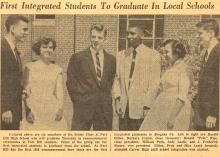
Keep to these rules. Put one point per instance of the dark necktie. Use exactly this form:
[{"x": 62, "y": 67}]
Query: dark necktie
[
  {"x": 18, "y": 59},
  {"x": 98, "y": 67},
  {"x": 205, "y": 56},
  {"x": 132, "y": 67}
]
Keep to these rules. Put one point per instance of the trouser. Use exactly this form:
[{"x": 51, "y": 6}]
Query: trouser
[
  {"x": 128, "y": 123},
  {"x": 199, "y": 124},
  {"x": 11, "y": 126},
  {"x": 199, "y": 128},
  {"x": 203, "y": 128},
  {"x": 99, "y": 121}
]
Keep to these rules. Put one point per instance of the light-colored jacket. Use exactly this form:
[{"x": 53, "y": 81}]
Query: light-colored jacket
[{"x": 143, "y": 84}]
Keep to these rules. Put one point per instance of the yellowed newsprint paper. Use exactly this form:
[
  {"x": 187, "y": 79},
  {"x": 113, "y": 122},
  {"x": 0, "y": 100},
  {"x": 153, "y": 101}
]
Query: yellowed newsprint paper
[{"x": 110, "y": 78}]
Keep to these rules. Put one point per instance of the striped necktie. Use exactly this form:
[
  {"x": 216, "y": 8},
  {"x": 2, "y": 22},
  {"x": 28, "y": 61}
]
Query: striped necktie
[
  {"x": 132, "y": 66},
  {"x": 98, "y": 68}
]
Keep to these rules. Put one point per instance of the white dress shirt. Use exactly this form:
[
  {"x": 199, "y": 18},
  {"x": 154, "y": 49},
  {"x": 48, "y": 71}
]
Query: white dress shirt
[{"x": 101, "y": 58}]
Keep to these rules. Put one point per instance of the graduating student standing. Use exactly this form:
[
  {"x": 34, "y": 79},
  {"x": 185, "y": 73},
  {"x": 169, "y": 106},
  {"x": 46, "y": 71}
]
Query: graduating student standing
[
  {"x": 90, "y": 77},
  {"x": 11, "y": 72},
  {"x": 43, "y": 87},
  {"x": 138, "y": 75},
  {"x": 208, "y": 86},
  {"x": 171, "y": 109}
]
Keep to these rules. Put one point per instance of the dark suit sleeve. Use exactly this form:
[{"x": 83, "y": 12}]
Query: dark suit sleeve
[
  {"x": 72, "y": 76},
  {"x": 6, "y": 84},
  {"x": 213, "y": 95}
]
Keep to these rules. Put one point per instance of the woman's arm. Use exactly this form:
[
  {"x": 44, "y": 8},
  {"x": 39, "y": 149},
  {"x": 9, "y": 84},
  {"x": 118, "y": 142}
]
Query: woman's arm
[
  {"x": 59, "y": 93},
  {"x": 26, "y": 88},
  {"x": 174, "y": 113}
]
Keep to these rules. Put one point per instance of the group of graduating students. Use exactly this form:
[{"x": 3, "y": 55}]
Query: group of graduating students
[{"x": 144, "y": 99}]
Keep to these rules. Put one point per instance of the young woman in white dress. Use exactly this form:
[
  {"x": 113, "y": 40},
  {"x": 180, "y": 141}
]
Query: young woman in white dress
[
  {"x": 43, "y": 93},
  {"x": 171, "y": 109}
]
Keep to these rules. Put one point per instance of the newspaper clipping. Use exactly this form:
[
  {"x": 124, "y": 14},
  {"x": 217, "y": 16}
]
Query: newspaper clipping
[{"x": 112, "y": 78}]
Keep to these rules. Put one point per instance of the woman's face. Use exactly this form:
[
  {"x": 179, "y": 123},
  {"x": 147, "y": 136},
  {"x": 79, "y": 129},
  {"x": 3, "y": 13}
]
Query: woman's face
[
  {"x": 169, "y": 53},
  {"x": 46, "y": 50}
]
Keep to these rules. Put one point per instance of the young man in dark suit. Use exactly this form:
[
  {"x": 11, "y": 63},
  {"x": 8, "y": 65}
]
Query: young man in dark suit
[
  {"x": 11, "y": 72},
  {"x": 90, "y": 76},
  {"x": 208, "y": 86}
]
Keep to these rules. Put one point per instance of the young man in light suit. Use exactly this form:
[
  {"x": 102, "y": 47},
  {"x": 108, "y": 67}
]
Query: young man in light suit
[{"x": 137, "y": 78}]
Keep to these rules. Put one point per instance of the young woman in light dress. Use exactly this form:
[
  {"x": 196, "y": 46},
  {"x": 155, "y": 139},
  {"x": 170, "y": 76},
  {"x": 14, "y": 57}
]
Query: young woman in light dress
[
  {"x": 171, "y": 109},
  {"x": 43, "y": 93}
]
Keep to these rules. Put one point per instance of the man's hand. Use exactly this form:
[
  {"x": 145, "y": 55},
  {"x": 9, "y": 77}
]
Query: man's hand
[
  {"x": 30, "y": 117},
  {"x": 7, "y": 117},
  {"x": 210, "y": 122},
  {"x": 118, "y": 109},
  {"x": 59, "y": 115}
]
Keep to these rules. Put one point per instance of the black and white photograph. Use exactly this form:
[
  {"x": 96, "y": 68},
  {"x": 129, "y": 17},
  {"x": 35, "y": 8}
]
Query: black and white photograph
[{"x": 144, "y": 72}]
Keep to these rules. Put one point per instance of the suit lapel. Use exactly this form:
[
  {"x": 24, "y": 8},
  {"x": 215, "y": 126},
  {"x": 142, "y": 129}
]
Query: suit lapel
[
  {"x": 140, "y": 54},
  {"x": 126, "y": 66},
  {"x": 212, "y": 54},
  {"x": 92, "y": 66},
  {"x": 10, "y": 53},
  {"x": 136, "y": 68},
  {"x": 106, "y": 67}
]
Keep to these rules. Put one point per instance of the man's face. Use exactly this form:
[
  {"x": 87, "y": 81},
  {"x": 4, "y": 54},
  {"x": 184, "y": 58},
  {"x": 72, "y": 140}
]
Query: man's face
[
  {"x": 20, "y": 31},
  {"x": 204, "y": 36},
  {"x": 97, "y": 39},
  {"x": 134, "y": 36}
]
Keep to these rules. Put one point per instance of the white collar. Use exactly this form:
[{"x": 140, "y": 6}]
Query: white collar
[
  {"x": 179, "y": 61},
  {"x": 212, "y": 44},
  {"x": 139, "y": 47},
  {"x": 11, "y": 44},
  {"x": 94, "y": 51}
]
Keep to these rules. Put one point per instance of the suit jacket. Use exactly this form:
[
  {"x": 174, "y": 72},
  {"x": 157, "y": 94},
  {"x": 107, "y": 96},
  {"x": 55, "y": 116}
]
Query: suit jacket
[
  {"x": 208, "y": 86},
  {"x": 144, "y": 82},
  {"x": 11, "y": 88},
  {"x": 84, "y": 89}
]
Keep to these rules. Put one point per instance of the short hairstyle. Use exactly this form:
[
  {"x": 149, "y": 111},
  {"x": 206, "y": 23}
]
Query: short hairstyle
[
  {"x": 14, "y": 19},
  {"x": 177, "y": 47},
  {"x": 44, "y": 40},
  {"x": 139, "y": 27},
  {"x": 209, "y": 24},
  {"x": 100, "y": 28}
]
